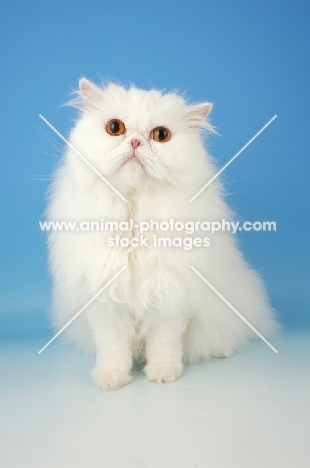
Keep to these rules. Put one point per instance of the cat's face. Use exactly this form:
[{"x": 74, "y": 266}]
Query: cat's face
[{"x": 134, "y": 136}]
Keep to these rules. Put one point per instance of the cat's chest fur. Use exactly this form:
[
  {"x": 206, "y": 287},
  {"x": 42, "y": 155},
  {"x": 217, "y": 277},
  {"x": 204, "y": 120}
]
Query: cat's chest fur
[{"x": 105, "y": 252}]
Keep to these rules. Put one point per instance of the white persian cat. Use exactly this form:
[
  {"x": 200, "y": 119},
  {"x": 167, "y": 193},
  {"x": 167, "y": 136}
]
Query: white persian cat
[{"x": 149, "y": 146}]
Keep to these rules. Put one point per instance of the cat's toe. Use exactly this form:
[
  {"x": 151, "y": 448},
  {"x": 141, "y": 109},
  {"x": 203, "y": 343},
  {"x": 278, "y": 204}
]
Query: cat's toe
[
  {"x": 163, "y": 371},
  {"x": 110, "y": 379}
]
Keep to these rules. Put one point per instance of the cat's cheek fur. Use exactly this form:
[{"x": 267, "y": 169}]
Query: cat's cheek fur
[{"x": 157, "y": 310}]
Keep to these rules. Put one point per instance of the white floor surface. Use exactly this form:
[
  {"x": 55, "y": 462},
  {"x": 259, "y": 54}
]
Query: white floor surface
[{"x": 249, "y": 411}]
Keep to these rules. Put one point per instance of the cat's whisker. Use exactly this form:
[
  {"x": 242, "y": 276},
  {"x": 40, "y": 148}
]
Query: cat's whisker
[
  {"x": 179, "y": 177},
  {"x": 183, "y": 189},
  {"x": 151, "y": 163},
  {"x": 158, "y": 188},
  {"x": 48, "y": 154},
  {"x": 194, "y": 166},
  {"x": 53, "y": 142},
  {"x": 167, "y": 187},
  {"x": 42, "y": 177},
  {"x": 170, "y": 180}
]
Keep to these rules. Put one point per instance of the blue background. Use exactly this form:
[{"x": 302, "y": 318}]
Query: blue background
[{"x": 251, "y": 59}]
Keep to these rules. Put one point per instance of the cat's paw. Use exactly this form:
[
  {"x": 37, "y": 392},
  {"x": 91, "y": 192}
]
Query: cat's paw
[
  {"x": 163, "y": 371},
  {"x": 110, "y": 379}
]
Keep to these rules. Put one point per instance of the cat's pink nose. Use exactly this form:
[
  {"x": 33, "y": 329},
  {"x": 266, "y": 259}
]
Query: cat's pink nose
[{"x": 135, "y": 143}]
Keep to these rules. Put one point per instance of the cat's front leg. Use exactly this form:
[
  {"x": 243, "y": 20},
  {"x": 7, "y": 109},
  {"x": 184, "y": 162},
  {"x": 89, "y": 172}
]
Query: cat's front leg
[
  {"x": 163, "y": 348},
  {"x": 113, "y": 338}
]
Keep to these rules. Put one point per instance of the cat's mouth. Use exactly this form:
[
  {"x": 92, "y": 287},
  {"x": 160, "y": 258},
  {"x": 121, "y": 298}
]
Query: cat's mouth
[
  {"x": 132, "y": 161},
  {"x": 133, "y": 158}
]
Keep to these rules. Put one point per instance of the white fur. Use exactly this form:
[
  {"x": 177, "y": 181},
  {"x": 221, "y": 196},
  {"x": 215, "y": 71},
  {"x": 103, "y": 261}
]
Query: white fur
[{"x": 157, "y": 309}]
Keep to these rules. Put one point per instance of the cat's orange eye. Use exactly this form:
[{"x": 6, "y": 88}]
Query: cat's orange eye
[
  {"x": 161, "y": 134},
  {"x": 115, "y": 127}
]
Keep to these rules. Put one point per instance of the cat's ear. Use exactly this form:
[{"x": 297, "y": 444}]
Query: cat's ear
[
  {"x": 198, "y": 113},
  {"x": 90, "y": 93},
  {"x": 203, "y": 109}
]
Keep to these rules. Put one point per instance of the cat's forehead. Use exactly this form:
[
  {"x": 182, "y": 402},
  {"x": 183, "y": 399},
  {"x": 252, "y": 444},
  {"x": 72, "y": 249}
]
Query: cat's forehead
[{"x": 141, "y": 105}]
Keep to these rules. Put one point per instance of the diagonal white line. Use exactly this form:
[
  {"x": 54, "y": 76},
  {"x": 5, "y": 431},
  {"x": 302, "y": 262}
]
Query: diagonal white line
[
  {"x": 83, "y": 158},
  {"x": 232, "y": 308},
  {"x": 233, "y": 158},
  {"x": 83, "y": 308}
]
